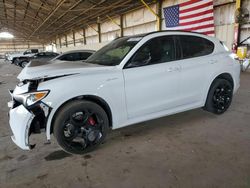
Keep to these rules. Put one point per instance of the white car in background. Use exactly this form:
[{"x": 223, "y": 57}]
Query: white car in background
[
  {"x": 28, "y": 53},
  {"x": 132, "y": 79},
  {"x": 74, "y": 55}
]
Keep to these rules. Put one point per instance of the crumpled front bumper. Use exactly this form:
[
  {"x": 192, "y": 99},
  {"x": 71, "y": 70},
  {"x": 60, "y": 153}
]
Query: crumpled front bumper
[{"x": 20, "y": 120}]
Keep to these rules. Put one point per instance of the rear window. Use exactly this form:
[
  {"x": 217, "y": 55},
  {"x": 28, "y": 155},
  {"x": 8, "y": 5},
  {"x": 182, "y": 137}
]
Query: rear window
[{"x": 193, "y": 46}]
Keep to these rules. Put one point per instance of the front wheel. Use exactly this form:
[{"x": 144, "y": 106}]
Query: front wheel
[
  {"x": 80, "y": 126},
  {"x": 219, "y": 96}
]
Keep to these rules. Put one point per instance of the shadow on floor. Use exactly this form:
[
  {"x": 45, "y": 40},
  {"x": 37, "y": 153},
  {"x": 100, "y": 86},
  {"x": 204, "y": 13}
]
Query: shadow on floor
[{"x": 57, "y": 155}]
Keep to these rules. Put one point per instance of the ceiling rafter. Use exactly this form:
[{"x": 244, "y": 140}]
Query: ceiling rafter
[
  {"x": 62, "y": 15},
  {"x": 50, "y": 14},
  {"x": 82, "y": 21},
  {"x": 81, "y": 14},
  {"x": 44, "y": 19}
]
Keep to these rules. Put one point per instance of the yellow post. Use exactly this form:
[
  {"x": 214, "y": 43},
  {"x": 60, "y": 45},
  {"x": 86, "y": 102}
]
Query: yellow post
[
  {"x": 237, "y": 25},
  {"x": 238, "y": 4},
  {"x": 113, "y": 21},
  {"x": 158, "y": 19}
]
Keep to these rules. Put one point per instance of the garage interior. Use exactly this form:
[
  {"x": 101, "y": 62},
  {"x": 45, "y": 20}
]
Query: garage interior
[{"x": 190, "y": 149}]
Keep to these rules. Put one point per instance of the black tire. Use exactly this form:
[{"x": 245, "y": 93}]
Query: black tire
[
  {"x": 24, "y": 63},
  {"x": 73, "y": 129},
  {"x": 219, "y": 96},
  {"x": 15, "y": 61}
]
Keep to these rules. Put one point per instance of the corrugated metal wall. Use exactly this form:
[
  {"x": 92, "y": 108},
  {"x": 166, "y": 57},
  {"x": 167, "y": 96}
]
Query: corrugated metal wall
[{"x": 17, "y": 45}]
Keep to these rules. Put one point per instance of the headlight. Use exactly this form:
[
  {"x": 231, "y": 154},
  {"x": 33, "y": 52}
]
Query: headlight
[{"x": 29, "y": 99}]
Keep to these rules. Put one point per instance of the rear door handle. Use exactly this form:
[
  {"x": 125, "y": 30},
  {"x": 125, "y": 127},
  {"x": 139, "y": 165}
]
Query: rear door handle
[
  {"x": 213, "y": 61},
  {"x": 172, "y": 69}
]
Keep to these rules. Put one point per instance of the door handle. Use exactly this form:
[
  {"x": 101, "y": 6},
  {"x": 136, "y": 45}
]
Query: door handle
[
  {"x": 172, "y": 69},
  {"x": 213, "y": 61}
]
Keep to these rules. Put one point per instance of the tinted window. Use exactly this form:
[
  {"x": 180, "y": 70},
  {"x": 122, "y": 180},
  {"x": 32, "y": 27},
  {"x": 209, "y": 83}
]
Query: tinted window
[
  {"x": 40, "y": 54},
  {"x": 84, "y": 55},
  {"x": 193, "y": 46},
  {"x": 50, "y": 54},
  {"x": 157, "y": 50},
  {"x": 70, "y": 57},
  {"x": 114, "y": 52}
]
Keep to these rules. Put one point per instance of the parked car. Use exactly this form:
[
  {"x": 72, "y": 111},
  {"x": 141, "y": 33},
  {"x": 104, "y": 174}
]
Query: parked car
[
  {"x": 74, "y": 55},
  {"x": 130, "y": 80},
  {"x": 28, "y": 53},
  {"x": 9, "y": 56},
  {"x": 39, "y": 57}
]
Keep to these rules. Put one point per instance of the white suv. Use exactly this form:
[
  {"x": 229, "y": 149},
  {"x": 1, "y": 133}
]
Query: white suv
[{"x": 130, "y": 80}]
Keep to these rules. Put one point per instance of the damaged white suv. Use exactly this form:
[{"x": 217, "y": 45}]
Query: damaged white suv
[{"x": 130, "y": 80}]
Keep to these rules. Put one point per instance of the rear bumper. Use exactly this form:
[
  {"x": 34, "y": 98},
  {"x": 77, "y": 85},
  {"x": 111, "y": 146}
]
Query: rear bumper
[{"x": 20, "y": 120}]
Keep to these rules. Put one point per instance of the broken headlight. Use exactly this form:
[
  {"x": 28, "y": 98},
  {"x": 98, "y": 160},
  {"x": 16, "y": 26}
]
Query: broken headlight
[{"x": 31, "y": 98}]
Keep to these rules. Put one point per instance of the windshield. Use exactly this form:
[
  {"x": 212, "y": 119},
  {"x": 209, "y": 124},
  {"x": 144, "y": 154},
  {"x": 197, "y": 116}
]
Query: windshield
[{"x": 113, "y": 53}]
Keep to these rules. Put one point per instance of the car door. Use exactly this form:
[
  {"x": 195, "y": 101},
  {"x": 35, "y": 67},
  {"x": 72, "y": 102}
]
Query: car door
[
  {"x": 196, "y": 67},
  {"x": 152, "y": 78}
]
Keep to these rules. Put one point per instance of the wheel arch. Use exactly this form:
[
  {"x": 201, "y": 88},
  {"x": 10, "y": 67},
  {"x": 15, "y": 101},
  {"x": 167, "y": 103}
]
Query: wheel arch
[
  {"x": 93, "y": 98},
  {"x": 227, "y": 76}
]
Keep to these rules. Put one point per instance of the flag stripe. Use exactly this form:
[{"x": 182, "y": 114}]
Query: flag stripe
[
  {"x": 192, "y": 26},
  {"x": 201, "y": 30},
  {"x": 197, "y": 21},
  {"x": 201, "y": 27},
  {"x": 196, "y": 7},
  {"x": 196, "y": 18},
  {"x": 189, "y": 2},
  {"x": 197, "y": 11},
  {"x": 195, "y": 4},
  {"x": 209, "y": 33},
  {"x": 196, "y": 14}
]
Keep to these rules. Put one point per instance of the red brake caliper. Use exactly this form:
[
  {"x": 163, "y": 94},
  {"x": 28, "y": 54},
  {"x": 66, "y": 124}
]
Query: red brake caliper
[{"x": 91, "y": 121}]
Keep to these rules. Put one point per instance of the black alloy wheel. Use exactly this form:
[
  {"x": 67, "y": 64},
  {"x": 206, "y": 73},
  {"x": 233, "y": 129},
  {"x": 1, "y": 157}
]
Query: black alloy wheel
[
  {"x": 80, "y": 126},
  {"x": 219, "y": 97}
]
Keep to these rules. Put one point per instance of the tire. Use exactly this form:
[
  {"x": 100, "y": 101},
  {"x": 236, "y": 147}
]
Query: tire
[
  {"x": 15, "y": 61},
  {"x": 24, "y": 63},
  {"x": 219, "y": 96},
  {"x": 80, "y": 126}
]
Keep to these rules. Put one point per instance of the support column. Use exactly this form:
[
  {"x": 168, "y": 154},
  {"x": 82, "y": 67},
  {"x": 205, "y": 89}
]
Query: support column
[
  {"x": 60, "y": 42},
  {"x": 237, "y": 25},
  {"x": 159, "y": 13},
  {"x": 121, "y": 25},
  {"x": 84, "y": 36},
  {"x": 66, "y": 41},
  {"x": 74, "y": 39},
  {"x": 99, "y": 32},
  {"x": 158, "y": 18}
]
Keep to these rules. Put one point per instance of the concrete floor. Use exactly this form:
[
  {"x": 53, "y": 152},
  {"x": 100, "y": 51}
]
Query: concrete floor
[{"x": 192, "y": 149}]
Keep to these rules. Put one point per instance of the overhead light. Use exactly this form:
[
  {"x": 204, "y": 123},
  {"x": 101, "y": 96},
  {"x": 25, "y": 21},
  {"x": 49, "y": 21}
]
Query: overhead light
[{"x": 6, "y": 35}]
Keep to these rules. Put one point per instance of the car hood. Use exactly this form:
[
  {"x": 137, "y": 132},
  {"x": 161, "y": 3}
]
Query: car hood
[{"x": 48, "y": 69}]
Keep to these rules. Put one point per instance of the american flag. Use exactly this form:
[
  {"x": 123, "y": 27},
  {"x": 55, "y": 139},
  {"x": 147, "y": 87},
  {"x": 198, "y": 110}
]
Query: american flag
[{"x": 193, "y": 15}]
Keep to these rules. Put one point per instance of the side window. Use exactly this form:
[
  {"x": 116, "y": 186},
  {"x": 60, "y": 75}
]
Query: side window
[
  {"x": 70, "y": 57},
  {"x": 157, "y": 50},
  {"x": 84, "y": 55},
  {"x": 40, "y": 54},
  {"x": 193, "y": 46}
]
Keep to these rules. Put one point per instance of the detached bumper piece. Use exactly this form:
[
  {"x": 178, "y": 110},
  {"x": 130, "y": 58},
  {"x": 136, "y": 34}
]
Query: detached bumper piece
[
  {"x": 20, "y": 121},
  {"x": 25, "y": 121}
]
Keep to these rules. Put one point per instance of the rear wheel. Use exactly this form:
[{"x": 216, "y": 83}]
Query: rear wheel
[
  {"x": 219, "y": 96},
  {"x": 24, "y": 63},
  {"x": 80, "y": 126}
]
